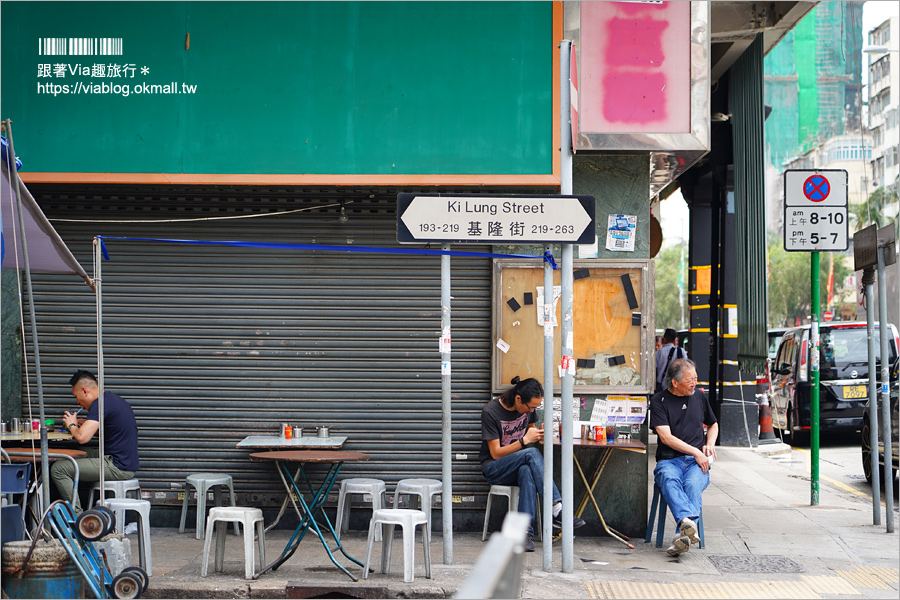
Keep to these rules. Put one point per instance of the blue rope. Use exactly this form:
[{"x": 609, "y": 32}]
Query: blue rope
[{"x": 547, "y": 256}]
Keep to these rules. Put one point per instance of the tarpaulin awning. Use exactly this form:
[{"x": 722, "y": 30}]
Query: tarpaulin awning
[{"x": 47, "y": 252}]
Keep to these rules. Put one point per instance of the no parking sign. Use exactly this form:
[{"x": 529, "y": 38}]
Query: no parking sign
[{"x": 815, "y": 210}]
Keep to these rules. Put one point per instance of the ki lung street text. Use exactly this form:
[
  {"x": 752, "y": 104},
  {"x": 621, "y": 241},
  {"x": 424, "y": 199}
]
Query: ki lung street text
[{"x": 491, "y": 208}]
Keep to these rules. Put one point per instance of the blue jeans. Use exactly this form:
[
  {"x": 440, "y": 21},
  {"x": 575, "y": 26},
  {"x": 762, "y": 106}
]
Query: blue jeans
[
  {"x": 524, "y": 468},
  {"x": 682, "y": 481}
]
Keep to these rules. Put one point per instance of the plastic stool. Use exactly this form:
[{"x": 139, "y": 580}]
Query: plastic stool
[
  {"x": 512, "y": 494},
  {"x": 217, "y": 522},
  {"x": 119, "y": 488},
  {"x": 658, "y": 499},
  {"x": 408, "y": 520},
  {"x": 202, "y": 482},
  {"x": 358, "y": 485},
  {"x": 424, "y": 489},
  {"x": 142, "y": 508}
]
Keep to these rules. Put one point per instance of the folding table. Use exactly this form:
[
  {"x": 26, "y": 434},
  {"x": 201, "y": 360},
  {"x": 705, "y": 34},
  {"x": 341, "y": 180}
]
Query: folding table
[{"x": 317, "y": 497}]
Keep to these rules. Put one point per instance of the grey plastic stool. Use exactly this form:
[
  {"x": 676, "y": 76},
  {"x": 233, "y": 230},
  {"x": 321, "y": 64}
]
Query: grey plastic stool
[
  {"x": 358, "y": 485},
  {"x": 659, "y": 499},
  {"x": 408, "y": 520},
  {"x": 202, "y": 482},
  {"x": 424, "y": 489},
  {"x": 142, "y": 508},
  {"x": 120, "y": 489},
  {"x": 512, "y": 494},
  {"x": 217, "y": 523}
]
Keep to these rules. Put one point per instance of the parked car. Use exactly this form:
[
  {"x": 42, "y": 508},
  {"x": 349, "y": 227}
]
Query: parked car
[
  {"x": 843, "y": 377},
  {"x": 895, "y": 431}
]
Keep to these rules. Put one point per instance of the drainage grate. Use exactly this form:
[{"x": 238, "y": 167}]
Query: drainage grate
[{"x": 752, "y": 563}]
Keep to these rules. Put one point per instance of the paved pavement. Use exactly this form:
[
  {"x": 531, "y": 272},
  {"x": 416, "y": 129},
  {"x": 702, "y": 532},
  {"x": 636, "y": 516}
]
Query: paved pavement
[{"x": 763, "y": 540}]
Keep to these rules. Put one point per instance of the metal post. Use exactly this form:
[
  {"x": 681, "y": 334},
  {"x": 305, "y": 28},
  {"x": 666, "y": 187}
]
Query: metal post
[
  {"x": 446, "y": 430},
  {"x": 45, "y": 465},
  {"x": 566, "y": 326},
  {"x": 885, "y": 393},
  {"x": 814, "y": 379},
  {"x": 547, "y": 508},
  {"x": 98, "y": 279},
  {"x": 868, "y": 279}
]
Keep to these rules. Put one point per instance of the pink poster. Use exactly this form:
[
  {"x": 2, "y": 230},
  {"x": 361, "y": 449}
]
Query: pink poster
[{"x": 635, "y": 67}]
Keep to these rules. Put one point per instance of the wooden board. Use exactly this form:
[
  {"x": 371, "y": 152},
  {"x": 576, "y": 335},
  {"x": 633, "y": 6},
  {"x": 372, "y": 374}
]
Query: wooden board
[{"x": 603, "y": 325}]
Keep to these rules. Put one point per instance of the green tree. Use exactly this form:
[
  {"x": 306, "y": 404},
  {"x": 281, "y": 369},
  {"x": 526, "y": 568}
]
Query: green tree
[
  {"x": 789, "y": 283},
  {"x": 668, "y": 306},
  {"x": 872, "y": 210}
]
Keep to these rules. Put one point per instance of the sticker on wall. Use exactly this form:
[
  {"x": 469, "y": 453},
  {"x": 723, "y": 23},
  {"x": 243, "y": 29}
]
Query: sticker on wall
[
  {"x": 620, "y": 233},
  {"x": 504, "y": 347}
]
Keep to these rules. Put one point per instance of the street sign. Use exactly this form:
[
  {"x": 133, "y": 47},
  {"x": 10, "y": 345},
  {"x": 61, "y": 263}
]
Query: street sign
[
  {"x": 865, "y": 244},
  {"x": 495, "y": 219},
  {"x": 828, "y": 315},
  {"x": 815, "y": 210}
]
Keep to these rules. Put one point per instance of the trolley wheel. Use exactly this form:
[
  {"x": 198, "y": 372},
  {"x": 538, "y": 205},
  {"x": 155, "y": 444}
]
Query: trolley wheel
[
  {"x": 111, "y": 517},
  {"x": 140, "y": 574},
  {"x": 126, "y": 585},
  {"x": 92, "y": 525}
]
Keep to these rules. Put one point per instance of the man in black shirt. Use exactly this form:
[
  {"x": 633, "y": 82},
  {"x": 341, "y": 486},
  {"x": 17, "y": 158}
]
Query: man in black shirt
[
  {"x": 120, "y": 447},
  {"x": 683, "y": 453}
]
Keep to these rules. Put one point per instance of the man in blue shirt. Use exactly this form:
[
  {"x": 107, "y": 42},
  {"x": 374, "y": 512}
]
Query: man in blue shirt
[
  {"x": 120, "y": 433},
  {"x": 668, "y": 352}
]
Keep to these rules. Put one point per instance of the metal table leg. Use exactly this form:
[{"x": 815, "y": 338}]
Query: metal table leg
[{"x": 589, "y": 495}]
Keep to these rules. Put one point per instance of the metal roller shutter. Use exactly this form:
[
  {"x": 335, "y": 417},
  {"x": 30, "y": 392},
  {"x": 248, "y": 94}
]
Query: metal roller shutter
[{"x": 213, "y": 343}]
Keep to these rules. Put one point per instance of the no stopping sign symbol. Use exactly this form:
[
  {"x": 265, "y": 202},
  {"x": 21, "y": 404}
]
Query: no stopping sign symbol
[{"x": 816, "y": 188}]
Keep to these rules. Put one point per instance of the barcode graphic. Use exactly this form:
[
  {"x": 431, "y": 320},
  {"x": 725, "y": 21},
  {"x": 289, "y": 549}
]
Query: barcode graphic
[{"x": 80, "y": 46}]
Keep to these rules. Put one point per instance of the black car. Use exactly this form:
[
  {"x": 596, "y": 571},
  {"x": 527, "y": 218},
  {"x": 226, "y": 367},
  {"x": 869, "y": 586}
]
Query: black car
[
  {"x": 895, "y": 432},
  {"x": 843, "y": 378}
]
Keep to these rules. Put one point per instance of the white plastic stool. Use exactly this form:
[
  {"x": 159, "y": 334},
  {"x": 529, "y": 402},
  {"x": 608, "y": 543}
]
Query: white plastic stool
[
  {"x": 512, "y": 494},
  {"x": 202, "y": 482},
  {"x": 408, "y": 520},
  {"x": 424, "y": 489},
  {"x": 358, "y": 485},
  {"x": 217, "y": 522},
  {"x": 142, "y": 508},
  {"x": 119, "y": 488}
]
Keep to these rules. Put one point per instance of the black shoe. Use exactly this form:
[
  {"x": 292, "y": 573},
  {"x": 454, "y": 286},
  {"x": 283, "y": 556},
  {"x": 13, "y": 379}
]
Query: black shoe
[
  {"x": 529, "y": 543},
  {"x": 576, "y": 523}
]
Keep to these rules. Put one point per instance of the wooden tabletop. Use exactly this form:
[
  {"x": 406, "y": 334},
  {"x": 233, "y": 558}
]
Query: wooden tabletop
[
  {"x": 310, "y": 456},
  {"x": 22, "y": 437},
  {"x": 36, "y": 454},
  {"x": 628, "y": 444}
]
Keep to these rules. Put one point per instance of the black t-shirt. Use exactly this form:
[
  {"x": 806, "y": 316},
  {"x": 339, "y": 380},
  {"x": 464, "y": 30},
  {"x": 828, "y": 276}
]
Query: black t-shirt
[
  {"x": 685, "y": 417},
  {"x": 120, "y": 434},
  {"x": 500, "y": 423}
]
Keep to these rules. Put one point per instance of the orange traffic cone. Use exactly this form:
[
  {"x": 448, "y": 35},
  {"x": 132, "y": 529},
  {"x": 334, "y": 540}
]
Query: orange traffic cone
[{"x": 766, "y": 433}]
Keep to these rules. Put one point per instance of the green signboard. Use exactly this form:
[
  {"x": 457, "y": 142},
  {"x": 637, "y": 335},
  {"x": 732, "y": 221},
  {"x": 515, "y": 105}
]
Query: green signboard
[{"x": 344, "y": 88}]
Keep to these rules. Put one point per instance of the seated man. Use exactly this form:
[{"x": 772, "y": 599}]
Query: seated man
[
  {"x": 507, "y": 427},
  {"x": 120, "y": 447},
  {"x": 683, "y": 453}
]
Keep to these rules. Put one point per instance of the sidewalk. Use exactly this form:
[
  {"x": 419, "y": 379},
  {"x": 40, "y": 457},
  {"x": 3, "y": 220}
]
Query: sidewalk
[{"x": 763, "y": 540}]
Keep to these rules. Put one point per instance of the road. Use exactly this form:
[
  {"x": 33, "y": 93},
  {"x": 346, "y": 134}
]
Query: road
[{"x": 840, "y": 467}]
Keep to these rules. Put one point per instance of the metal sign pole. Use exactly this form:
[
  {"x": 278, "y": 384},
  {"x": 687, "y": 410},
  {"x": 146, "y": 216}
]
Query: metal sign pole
[
  {"x": 446, "y": 430},
  {"x": 547, "y": 508},
  {"x": 868, "y": 279},
  {"x": 814, "y": 377},
  {"x": 566, "y": 326},
  {"x": 98, "y": 258},
  {"x": 885, "y": 391}
]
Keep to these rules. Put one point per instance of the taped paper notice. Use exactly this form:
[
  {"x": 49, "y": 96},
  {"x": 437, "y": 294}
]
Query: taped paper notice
[
  {"x": 620, "y": 233},
  {"x": 444, "y": 344},
  {"x": 617, "y": 409},
  {"x": 557, "y": 291},
  {"x": 445, "y": 367},
  {"x": 504, "y": 347},
  {"x": 598, "y": 413},
  {"x": 637, "y": 410},
  {"x": 570, "y": 340}
]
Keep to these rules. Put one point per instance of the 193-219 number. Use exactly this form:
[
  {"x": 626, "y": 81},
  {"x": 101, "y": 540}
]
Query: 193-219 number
[{"x": 443, "y": 228}]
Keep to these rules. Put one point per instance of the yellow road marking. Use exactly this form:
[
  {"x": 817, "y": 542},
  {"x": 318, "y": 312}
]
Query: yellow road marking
[{"x": 833, "y": 482}]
